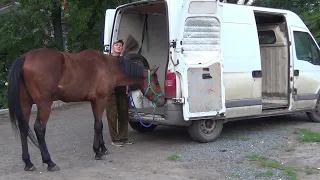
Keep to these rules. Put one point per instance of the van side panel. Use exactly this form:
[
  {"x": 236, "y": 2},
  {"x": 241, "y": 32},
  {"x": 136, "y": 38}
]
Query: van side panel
[{"x": 241, "y": 55}]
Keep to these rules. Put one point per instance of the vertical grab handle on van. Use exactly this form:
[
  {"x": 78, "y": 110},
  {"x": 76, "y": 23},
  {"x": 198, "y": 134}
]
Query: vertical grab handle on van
[{"x": 257, "y": 74}]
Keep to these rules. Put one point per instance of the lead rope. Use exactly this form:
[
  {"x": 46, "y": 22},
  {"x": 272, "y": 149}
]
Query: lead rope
[
  {"x": 153, "y": 102},
  {"x": 136, "y": 111}
]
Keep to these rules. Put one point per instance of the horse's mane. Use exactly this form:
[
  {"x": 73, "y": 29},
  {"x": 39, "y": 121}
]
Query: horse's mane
[{"x": 130, "y": 68}]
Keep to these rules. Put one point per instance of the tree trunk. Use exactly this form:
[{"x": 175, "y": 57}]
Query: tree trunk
[
  {"x": 241, "y": 1},
  {"x": 249, "y": 3},
  {"x": 92, "y": 20},
  {"x": 57, "y": 25}
]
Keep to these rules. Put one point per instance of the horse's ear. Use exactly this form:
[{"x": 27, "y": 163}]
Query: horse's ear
[{"x": 154, "y": 69}]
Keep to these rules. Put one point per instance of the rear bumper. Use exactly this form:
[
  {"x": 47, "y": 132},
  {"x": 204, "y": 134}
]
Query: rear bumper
[{"x": 170, "y": 114}]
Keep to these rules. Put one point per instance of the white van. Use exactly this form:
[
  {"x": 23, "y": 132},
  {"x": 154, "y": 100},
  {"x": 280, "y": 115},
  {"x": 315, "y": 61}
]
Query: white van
[{"x": 219, "y": 62}]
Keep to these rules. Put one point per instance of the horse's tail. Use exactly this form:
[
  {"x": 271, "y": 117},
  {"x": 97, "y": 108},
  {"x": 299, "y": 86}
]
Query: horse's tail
[{"x": 17, "y": 117}]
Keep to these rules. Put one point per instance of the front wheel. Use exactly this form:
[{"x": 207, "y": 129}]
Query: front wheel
[
  {"x": 205, "y": 130},
  {"x": 314, "y": 115}
]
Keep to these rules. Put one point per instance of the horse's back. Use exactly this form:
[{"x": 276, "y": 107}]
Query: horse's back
[
  {"x": 81, "y": 76},
  {"x": 66, "y": 76}
]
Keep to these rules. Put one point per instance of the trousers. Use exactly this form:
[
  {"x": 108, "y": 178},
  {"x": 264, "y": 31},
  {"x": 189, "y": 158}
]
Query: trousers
[{"x": 117, "y": 115}]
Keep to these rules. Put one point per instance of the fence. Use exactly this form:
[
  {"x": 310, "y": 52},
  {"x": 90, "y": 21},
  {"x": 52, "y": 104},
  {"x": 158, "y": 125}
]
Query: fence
[{"x": 55, "y": 104}]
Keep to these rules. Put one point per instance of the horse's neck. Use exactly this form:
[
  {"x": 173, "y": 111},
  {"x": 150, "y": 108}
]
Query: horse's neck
[
  {"x": 127, "y": 73},
  {"x": 124, "y": 80}
]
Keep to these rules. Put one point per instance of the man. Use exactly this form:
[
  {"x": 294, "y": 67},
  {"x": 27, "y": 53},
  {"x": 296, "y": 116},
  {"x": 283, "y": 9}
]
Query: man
[
  {"x": 117, "y": 112},
  {"x": 117, "y": 48}
]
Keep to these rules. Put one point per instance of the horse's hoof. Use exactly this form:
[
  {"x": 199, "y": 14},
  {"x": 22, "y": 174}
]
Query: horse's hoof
[
  {"x": 54, "y": 168},
  {"x": 28, "y": 168}
]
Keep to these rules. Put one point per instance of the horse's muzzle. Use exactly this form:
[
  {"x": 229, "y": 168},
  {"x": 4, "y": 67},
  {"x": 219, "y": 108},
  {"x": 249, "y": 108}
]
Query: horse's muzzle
[{"x": 160, "y": 102}]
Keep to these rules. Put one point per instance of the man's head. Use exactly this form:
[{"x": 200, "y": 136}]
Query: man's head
[{"x": 117, "y": 48}]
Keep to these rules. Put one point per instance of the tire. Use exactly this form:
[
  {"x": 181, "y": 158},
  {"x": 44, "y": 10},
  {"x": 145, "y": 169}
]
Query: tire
[
  {"x": 314, "y": 116},
  {"x": 205, "y": 130},
  {"x": 138, "y": 59},
  {"x": 141, "y": 129}
]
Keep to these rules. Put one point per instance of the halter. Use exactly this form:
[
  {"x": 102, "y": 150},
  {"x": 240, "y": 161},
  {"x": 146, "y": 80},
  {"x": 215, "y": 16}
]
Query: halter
[
  {"x": 155, "y": 100},
  {"x": 150, "y": 88}
]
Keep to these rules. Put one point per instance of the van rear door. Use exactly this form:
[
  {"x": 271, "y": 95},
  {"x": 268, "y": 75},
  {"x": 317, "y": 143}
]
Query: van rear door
[
  {"x": 201, "y": 63},
  {"x": 108, "y": 26}
]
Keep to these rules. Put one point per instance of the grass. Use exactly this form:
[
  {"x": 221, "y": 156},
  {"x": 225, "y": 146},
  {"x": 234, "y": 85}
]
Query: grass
[
  {"x": 256, "y": 157},
  {"x": 288, "y": 171},
  {"x": 234, "y": 175},
  {"x": 174, "y": 157},
  {"x": 307, "y": 135},
  {"x": 309, "y": 171},
  {"x": 268, "y": 173}
]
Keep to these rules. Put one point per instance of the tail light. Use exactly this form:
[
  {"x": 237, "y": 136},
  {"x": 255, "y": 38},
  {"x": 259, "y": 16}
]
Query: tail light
[{"x": 170, "y": 85}]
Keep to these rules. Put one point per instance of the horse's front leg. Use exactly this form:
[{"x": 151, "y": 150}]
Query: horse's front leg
[{"x": 98, "y": 144}]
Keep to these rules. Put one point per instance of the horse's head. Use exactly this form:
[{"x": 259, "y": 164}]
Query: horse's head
[{"x": 151, "y": 88}]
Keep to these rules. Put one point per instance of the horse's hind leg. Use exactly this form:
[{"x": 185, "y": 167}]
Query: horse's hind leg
[
  {"x": 43, "y": 113},
  {"x": 26, "y": 105},
  {"x": 97, "y": 108}
]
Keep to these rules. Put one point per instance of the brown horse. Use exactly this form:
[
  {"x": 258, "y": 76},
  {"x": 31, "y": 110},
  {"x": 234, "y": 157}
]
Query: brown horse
[{"x": 43, "y": 75}]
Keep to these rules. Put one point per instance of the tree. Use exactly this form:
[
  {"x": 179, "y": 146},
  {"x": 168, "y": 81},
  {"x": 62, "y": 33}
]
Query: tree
[
  {"x": 43, "y": 23},
  {"x": 308, "y": 10}
]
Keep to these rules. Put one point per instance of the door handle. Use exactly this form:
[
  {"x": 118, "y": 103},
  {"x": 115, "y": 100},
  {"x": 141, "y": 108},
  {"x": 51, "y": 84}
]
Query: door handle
[
  {"x": 256, "y": 74},
  {"x": 206, "y": 76},
  {"x": 296, "y": 72}
]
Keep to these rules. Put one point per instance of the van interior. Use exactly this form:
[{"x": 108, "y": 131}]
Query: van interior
[
  {"x": 275, "y": 62},
  {"x": 148, "y": 24}
]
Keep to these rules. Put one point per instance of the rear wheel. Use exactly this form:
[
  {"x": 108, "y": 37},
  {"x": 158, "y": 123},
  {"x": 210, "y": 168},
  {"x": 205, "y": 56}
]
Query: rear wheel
[
  {"x": 141, "y": 129},
  {"x": 314, "y": 115},
  {"x": 205, "y": 130}
]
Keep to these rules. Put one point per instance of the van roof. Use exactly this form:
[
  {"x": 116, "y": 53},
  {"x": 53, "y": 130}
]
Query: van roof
[
  {"x": 292, "y": 18},
  {"x": 257, "y": 8}
]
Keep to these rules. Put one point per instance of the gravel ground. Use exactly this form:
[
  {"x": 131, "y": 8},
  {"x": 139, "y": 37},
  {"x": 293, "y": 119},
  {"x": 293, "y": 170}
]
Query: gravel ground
[{"x": 70, "y": 135}]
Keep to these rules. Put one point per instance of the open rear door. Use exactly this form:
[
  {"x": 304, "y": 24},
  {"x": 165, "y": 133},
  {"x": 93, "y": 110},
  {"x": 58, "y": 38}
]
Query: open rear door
[
  {"x": 201, "y": 62},
  {"x": 108, "y": 26}
]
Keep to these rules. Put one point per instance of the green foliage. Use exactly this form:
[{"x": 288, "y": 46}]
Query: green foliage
[
  {"x": 308, "y": 10},
  {"x": 4, "y": 2},
  {"x": 29, "y": 26},
  {"x": 21, "y": 30},
  {"x": 312, "y": 19},
  {"x": 85, "y": 23}
]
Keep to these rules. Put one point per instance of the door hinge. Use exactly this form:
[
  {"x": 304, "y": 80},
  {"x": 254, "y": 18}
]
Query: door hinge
[
  {"x": 173, "y": 44},
  {"x": 294, "y": 92}
]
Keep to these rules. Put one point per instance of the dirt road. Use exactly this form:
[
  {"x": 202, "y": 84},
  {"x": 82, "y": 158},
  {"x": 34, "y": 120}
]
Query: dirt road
[{"x": 166, "y": 153}]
